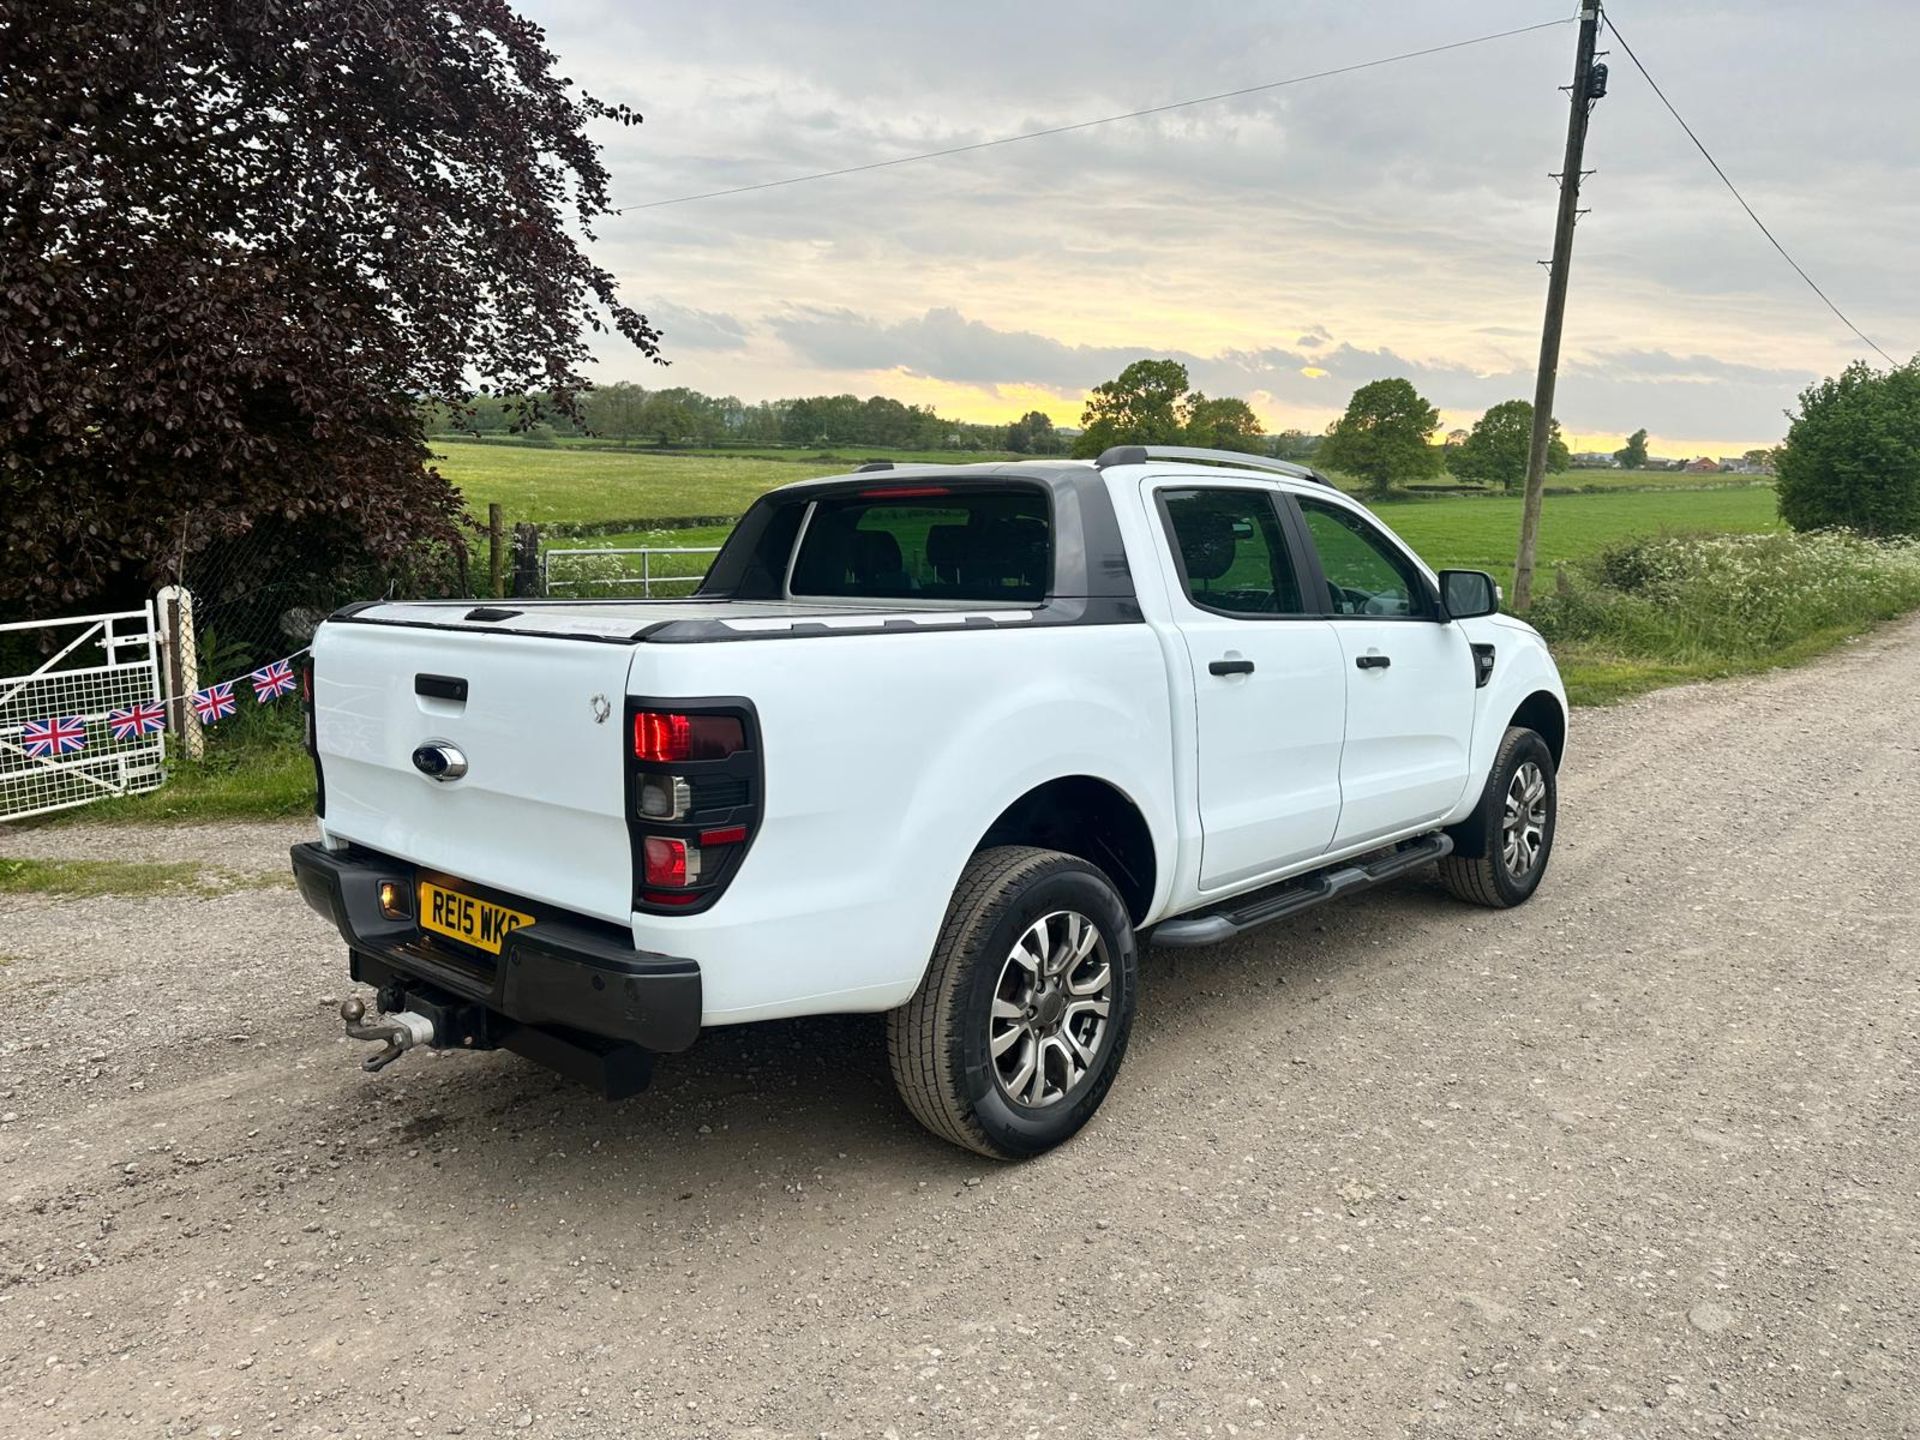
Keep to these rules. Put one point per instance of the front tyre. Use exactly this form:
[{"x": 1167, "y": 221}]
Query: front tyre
[
  {"x": 1514, "y": 824},
  {"x": 1016, "y": 1032}
]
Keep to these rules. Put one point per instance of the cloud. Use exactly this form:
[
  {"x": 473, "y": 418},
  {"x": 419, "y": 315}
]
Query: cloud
[
  {"x": 1606, "y": 392},
  {"x": 685, "y": 329},
  {"x": 1398, "y": 212}
]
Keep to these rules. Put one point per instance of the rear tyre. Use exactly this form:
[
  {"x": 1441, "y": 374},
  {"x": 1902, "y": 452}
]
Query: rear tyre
[
  {"x": 1016, "y": 1032},
  {"x": 1514, "y": 824}
]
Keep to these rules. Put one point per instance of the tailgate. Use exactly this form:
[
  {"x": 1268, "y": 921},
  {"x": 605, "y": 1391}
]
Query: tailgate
[{"x": 540, "y": 811}]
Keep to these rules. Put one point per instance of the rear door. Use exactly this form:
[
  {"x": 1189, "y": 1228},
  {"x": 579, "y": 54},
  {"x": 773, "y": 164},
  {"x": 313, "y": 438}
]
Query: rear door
[
  {"x": 540, "y": 811},
  {"x": 1270, "y": 693},
  {"x": 1409, "y": 677}
]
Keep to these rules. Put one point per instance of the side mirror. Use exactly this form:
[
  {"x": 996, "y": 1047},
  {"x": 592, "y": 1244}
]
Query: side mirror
[{"x": 1467, "y": 593}]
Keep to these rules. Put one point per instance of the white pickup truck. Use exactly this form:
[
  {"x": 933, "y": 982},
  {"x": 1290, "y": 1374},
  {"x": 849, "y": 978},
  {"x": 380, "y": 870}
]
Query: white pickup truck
[{"x": 948, "y": 743}]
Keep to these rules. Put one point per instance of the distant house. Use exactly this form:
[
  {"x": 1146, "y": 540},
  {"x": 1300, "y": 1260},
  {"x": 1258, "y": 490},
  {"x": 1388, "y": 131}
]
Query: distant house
[{"x": 1702, "y": 466}]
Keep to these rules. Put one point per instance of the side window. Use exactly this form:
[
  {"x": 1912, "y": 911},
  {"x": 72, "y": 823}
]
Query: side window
[
  {"x": 1366, "y": 574},
  {"x": 1232, "y": 551}
]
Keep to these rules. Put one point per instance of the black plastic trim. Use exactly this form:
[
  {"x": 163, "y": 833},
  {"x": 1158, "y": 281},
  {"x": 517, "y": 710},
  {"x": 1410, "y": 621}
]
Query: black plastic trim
[
  {"x": 564, "y": 970},
  {"x": 441, "y": 687},
  {"x": 1275, "y": 902}
]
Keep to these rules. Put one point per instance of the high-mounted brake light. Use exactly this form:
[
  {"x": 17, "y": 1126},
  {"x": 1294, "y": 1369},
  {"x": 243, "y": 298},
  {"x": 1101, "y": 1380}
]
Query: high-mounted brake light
[
  {"x": 663, "y": 736},
  {"x": 903, "y": 492}
]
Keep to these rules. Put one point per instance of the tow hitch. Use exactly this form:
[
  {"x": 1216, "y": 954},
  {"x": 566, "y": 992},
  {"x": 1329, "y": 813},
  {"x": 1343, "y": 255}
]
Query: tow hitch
[{"x": 400, "y": 1031}]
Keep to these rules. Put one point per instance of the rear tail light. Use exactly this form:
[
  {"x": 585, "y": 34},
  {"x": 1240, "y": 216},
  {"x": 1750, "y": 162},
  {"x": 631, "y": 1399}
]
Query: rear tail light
[
  {"x": 669, "y": 864},
  {"x": 693, "y": 800},
  {"x": 664, "y": 736}
]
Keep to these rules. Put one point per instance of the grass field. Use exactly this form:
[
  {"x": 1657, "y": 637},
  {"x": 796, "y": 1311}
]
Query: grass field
[
  {"x": 1478, "y": 533},
  {"x": 567, "y": 485}
]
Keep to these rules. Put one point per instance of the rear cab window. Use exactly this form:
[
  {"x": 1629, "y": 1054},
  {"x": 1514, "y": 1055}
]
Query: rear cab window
[{"x": 926, "y": 544}]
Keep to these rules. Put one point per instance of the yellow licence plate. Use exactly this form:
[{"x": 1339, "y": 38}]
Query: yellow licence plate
[{"x": 478, "y": 922}]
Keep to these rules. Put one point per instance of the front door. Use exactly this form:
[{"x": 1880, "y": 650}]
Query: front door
[
  {"x": 1409, "y": 679},
  {"x": 1270, "y": 690}
]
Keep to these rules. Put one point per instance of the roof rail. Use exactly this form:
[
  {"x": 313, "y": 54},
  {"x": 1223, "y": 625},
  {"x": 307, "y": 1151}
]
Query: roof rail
[{"x": 1140, "y": 454}]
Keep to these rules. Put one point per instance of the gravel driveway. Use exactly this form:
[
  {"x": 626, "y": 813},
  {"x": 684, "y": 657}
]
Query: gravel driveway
[{"x": 1640, "y": 1159}]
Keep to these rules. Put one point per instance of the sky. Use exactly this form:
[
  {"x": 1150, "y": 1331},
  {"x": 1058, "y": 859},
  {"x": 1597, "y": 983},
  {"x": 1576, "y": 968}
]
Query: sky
[{"x": 1286, "y": 246}]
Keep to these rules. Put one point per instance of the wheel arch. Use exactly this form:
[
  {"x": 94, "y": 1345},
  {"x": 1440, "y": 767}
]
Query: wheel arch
[
  {"x": 1091, "y": 818},
  {"x": 1543, "y": 713}
]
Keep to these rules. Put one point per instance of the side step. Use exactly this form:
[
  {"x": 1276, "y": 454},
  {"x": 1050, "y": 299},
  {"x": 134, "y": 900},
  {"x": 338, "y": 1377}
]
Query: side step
[{"x": 1245, "y": 912}]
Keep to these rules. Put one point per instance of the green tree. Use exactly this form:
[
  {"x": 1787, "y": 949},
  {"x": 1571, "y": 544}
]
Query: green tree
[
  {"x": 667, "y": 420},
  {"x": 1495, "y": 450},
  {"x": 1295, "y": 445},
  {"x": 1633, "y": 454},
  {"x": 1141, "y": 406},
  {"x": 1383, "y": 436},
  {"x": 1852, "y": 455},
  {"x": 1761, "y": 459},
  {"x": 1223, "y": 424},
  {"x": 614, "y": 410},
  {"x": 1041, "y": 436}
]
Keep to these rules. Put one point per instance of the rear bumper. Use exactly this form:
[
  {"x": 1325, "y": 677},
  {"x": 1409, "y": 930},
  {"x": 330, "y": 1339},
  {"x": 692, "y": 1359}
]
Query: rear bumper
[{"x": 559, "y": 972}]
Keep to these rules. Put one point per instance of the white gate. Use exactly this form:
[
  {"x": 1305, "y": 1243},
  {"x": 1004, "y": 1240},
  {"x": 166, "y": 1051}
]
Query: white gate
[{"x": 100, "y": 663}]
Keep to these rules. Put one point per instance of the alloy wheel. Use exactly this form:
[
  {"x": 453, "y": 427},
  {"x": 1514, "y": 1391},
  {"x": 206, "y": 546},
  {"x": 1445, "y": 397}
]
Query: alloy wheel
[{"x": 1050, "y": 1009}]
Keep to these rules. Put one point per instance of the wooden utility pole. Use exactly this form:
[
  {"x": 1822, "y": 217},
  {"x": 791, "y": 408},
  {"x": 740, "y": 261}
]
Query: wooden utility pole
[{"x": 1582, "y": 94}]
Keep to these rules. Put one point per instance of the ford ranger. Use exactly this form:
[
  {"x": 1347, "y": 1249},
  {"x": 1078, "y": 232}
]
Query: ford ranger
[{"x": 952, "y": 744}]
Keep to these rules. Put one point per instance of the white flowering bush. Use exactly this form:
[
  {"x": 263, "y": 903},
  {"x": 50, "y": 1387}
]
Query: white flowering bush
[{"x": 1737, "y": 598}]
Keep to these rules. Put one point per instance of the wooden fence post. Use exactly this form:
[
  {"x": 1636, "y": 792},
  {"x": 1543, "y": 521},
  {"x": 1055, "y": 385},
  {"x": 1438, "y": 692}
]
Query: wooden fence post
[
  {"x": 496, "y": 548},
  {"x": 526, "y": 560}
]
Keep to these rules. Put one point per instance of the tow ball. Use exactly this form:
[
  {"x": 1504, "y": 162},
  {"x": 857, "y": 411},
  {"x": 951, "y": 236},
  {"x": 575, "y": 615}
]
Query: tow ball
[{"x": 398, "y": 1032}]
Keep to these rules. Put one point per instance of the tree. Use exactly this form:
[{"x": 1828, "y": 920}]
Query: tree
[
  {"x": 240, "y": 244},
  {"x": 1495, "y": 450},
  {"x": 667, "y": 419},
  {"x": 614, "y": 410},
  {"x": 1633, "y": 455},
  {"x": 1383, "y": 436},
  {"x": 1852, "y": 455},
  {"x": 1295, "y": 445},
  {"x": 1760, "y": 458},
  {"x": 1139, "y": 407},
  {"x": 1041, "y": 437},
  {"x": 1223, "y": 424}
]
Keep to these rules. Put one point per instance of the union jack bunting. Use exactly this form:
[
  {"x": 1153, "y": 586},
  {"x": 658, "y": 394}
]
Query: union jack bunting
[
  {"x": 216, "y": 702},
  {"x": 270, "y": 682},
  {"x": 143, "y": 717},
  {"x": 66, "y": 735}
]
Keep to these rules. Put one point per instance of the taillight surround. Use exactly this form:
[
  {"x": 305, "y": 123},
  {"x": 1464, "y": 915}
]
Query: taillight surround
[{"x": 716, "y": 799}]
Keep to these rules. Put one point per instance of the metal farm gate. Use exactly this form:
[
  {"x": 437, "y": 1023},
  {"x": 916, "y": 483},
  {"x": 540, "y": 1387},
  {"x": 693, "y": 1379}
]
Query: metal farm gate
[{"x": 99, "y": 663}]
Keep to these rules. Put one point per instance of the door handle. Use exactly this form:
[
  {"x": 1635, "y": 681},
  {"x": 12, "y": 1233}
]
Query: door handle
[
  {"x": 1373, "y": 662},
  {"x": 1231, "y": 667}
]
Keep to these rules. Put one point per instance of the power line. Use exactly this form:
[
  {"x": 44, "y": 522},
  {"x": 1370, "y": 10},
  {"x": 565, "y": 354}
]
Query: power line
[
  {"x": 1089, "y": 124},
  {"x": 1734, "y": 190}
]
